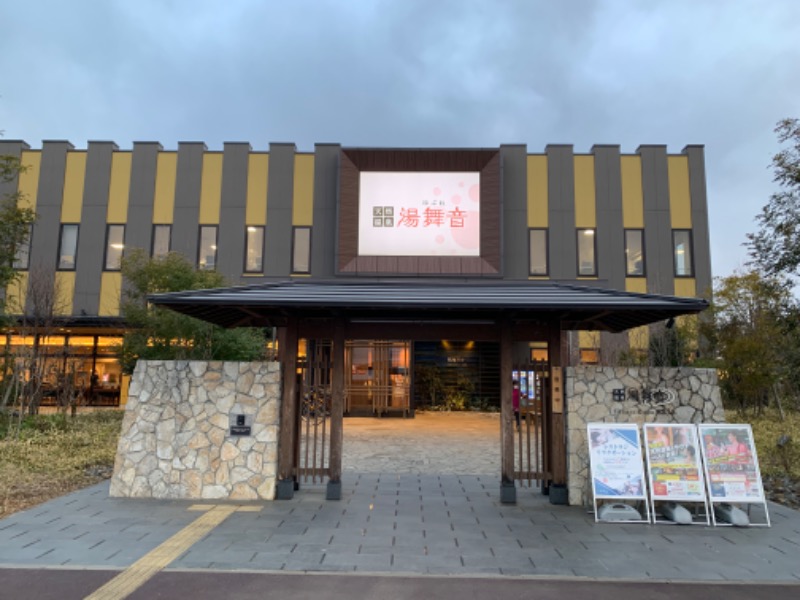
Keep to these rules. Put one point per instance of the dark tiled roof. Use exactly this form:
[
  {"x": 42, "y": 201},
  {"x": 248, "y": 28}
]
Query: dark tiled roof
[{"x": 576, "y": 307}]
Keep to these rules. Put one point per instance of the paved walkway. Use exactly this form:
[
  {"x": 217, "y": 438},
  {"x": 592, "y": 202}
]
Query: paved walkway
[
  {"x": 411, "y": 522},
  {"x": 458, "y": 443}
]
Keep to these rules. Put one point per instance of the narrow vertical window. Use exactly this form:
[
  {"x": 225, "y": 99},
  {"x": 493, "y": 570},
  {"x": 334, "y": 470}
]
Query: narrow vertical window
[
  {"x": 537, "y": 252},
  {"x": 161, "y": 240},
  {"x": 115, "y": 243},
  {"x": 207, "y": 255},
  {"x": 587, "y": 264},
  {"x": 682, "y": 245},
  {"x": 634, "y": 253},
  {"x": 22, "y": 258},
  {"x": 254, "y": 250},
  {"x": 301, "y": 250},
  {"x": 68, "y": 247}
]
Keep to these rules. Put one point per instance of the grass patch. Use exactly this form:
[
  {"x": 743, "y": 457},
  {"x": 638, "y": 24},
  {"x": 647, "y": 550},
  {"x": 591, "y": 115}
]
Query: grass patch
[
  {"x": 775, "y": 459},
  {"x": 55, "y": 454}
]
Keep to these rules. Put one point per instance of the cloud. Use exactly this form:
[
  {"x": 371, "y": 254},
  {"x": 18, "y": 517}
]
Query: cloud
[{"x": 417, "y": 73}]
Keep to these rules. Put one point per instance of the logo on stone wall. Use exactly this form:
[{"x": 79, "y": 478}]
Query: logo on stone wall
[{"x": 644, "y": 400}]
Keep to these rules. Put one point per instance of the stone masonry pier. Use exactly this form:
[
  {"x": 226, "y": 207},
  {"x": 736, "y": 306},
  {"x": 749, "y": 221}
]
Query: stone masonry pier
[{"x": 176, "y": 437}]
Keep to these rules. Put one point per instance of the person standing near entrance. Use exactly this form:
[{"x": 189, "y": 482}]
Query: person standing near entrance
[{"x": 515, "y": 401}]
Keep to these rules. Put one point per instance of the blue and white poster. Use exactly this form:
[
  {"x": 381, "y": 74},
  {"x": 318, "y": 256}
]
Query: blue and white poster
[{"x": 615, "y": 457}]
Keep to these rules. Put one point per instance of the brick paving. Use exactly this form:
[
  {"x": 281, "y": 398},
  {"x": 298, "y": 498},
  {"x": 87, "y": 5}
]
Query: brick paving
[{"x": 406, "y": 521}]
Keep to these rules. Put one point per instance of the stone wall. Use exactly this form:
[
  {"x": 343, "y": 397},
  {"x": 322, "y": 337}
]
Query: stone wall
[
  {"x": 176, "y": 437},
  {"x": 632, "y": 395}
]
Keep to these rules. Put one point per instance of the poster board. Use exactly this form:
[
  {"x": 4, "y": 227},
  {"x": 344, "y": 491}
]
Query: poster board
[
  {"x": 674, "y": 467},
  {"x": 615, "y": 460},
  {"x": 731, "y": 464}
]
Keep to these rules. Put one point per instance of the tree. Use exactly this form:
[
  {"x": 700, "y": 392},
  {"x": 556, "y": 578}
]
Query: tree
[
  {"x": 753, "y": 330},
  {"x": 775, "y": 248},
  {"x": 15, "y": 225},
  {"x": 161, "y": 334},
  {"x": 31, "y": 371}
]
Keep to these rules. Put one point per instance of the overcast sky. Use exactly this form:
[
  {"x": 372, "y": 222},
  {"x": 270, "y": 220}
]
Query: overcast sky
[{"x": 418, "y": 73}]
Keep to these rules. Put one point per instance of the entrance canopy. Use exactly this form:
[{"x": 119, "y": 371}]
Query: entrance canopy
[{"x": 428, "y": 303}]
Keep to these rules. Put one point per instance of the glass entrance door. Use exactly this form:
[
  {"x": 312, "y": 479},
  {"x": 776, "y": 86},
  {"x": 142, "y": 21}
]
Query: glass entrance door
[{"x": 377, "y": 377}]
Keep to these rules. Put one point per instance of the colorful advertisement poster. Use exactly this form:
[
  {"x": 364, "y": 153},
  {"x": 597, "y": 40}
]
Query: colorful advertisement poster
[
  {"x": 673, "y": 462},
  {"x": 731, "y": 463},
  {"x": 615, "y": 457}
]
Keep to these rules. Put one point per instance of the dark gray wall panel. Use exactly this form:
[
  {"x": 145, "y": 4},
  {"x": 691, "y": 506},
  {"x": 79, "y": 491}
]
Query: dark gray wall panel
[
  {"x": 44, "y": 251},
  {"x": 91, "y": 240},
  {"x": 514, "y": 206},
  {"x": 610, "y": 233},
  {"x": 657, "y": 223},
  {"x": 700, "y": 234},
  {"x": 561, "y": 212},
  {"x": 230, "y": 244},
  {"x": 280, "y": 193},
  {"x": 11, "y": 148},
  {"x": 326, "y": 194},
  {"x": 139, "y": 228},
  {"x": 608, "y": 198},
  {"x": 186, "y": 217}
]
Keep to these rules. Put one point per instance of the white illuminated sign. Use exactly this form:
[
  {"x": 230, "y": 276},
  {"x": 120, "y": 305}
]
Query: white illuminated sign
[{"x": 419, "y": 214}]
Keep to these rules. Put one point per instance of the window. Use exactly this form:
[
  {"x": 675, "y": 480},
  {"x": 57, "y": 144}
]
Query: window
[
  {"x": 23, "y": 256},
  {"x": 161, "y": 240},
  {"x": 537, "y": 252},
  {"x": 68, "y": 247},
  {"x": 301, "y": 250},
  {"x": 254, "y": 250},
  {"x": 634, "y": 253},
  {"x": 115, "y": 243},
  {"x": 682, "y": 246},
  {"x": 207, "y": 254},
  {"x": 587, "y": 266}
]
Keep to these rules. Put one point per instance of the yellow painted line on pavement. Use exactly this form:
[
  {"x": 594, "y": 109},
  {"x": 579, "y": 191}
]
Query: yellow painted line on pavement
[{"x": 157, "y": 559}]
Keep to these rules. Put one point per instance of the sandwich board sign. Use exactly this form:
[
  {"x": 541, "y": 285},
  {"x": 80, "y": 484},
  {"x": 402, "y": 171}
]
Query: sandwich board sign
[
  {"x": 731, "y": 465},
  {"x": 615, "y": 459},
  {"x": 674, "y": 468}
]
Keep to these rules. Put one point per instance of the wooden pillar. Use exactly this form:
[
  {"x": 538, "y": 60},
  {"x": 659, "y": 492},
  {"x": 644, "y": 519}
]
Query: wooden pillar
[
  {"x": 508, "y": 490},
  {"x": 286, "y": 441},
  {"x": 334, "y": 490},
  {"x": 558, "y": 430}
]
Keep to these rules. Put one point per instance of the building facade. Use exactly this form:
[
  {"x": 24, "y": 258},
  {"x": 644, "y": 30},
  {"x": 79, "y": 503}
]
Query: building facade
[{"x": 631, "y": 222}]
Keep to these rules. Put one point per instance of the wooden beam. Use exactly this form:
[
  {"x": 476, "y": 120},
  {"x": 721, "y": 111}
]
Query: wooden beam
[
  {"x": 508, "y": 490},
  {"x": 286, "y": 441},
  {"x": 558, "y": 431},
  {"x": 334, "y": 491}
]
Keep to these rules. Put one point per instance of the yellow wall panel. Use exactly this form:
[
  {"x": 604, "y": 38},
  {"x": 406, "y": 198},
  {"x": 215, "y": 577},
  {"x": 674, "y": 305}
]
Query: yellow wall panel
[
  {"x": 636, "y": 284},
  {"x": 680, "y": 202},
  {"x": 257, "y": 178},
  {"x": 65, "y": 288},
  {"x": 585, "y": 214},
  {"x": 639, "y": 338},
  {"x": 119, "y": 188},
  {"x": 537, "y": 191},
  {"x": 166, "y": 175},
  {"x": 303, "y": 202},
  {"x": 588, "y": 339},
  {"x": 74, "y": 177},
  {"x": 632, "y": 196},
  {"x": 29, "y": 180},
  {"x": 16, "y": 294},
  {"x": 686, "y": 287},
  {"x": 211, "y": 188},
  {"x": 110, "y": 290}
]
